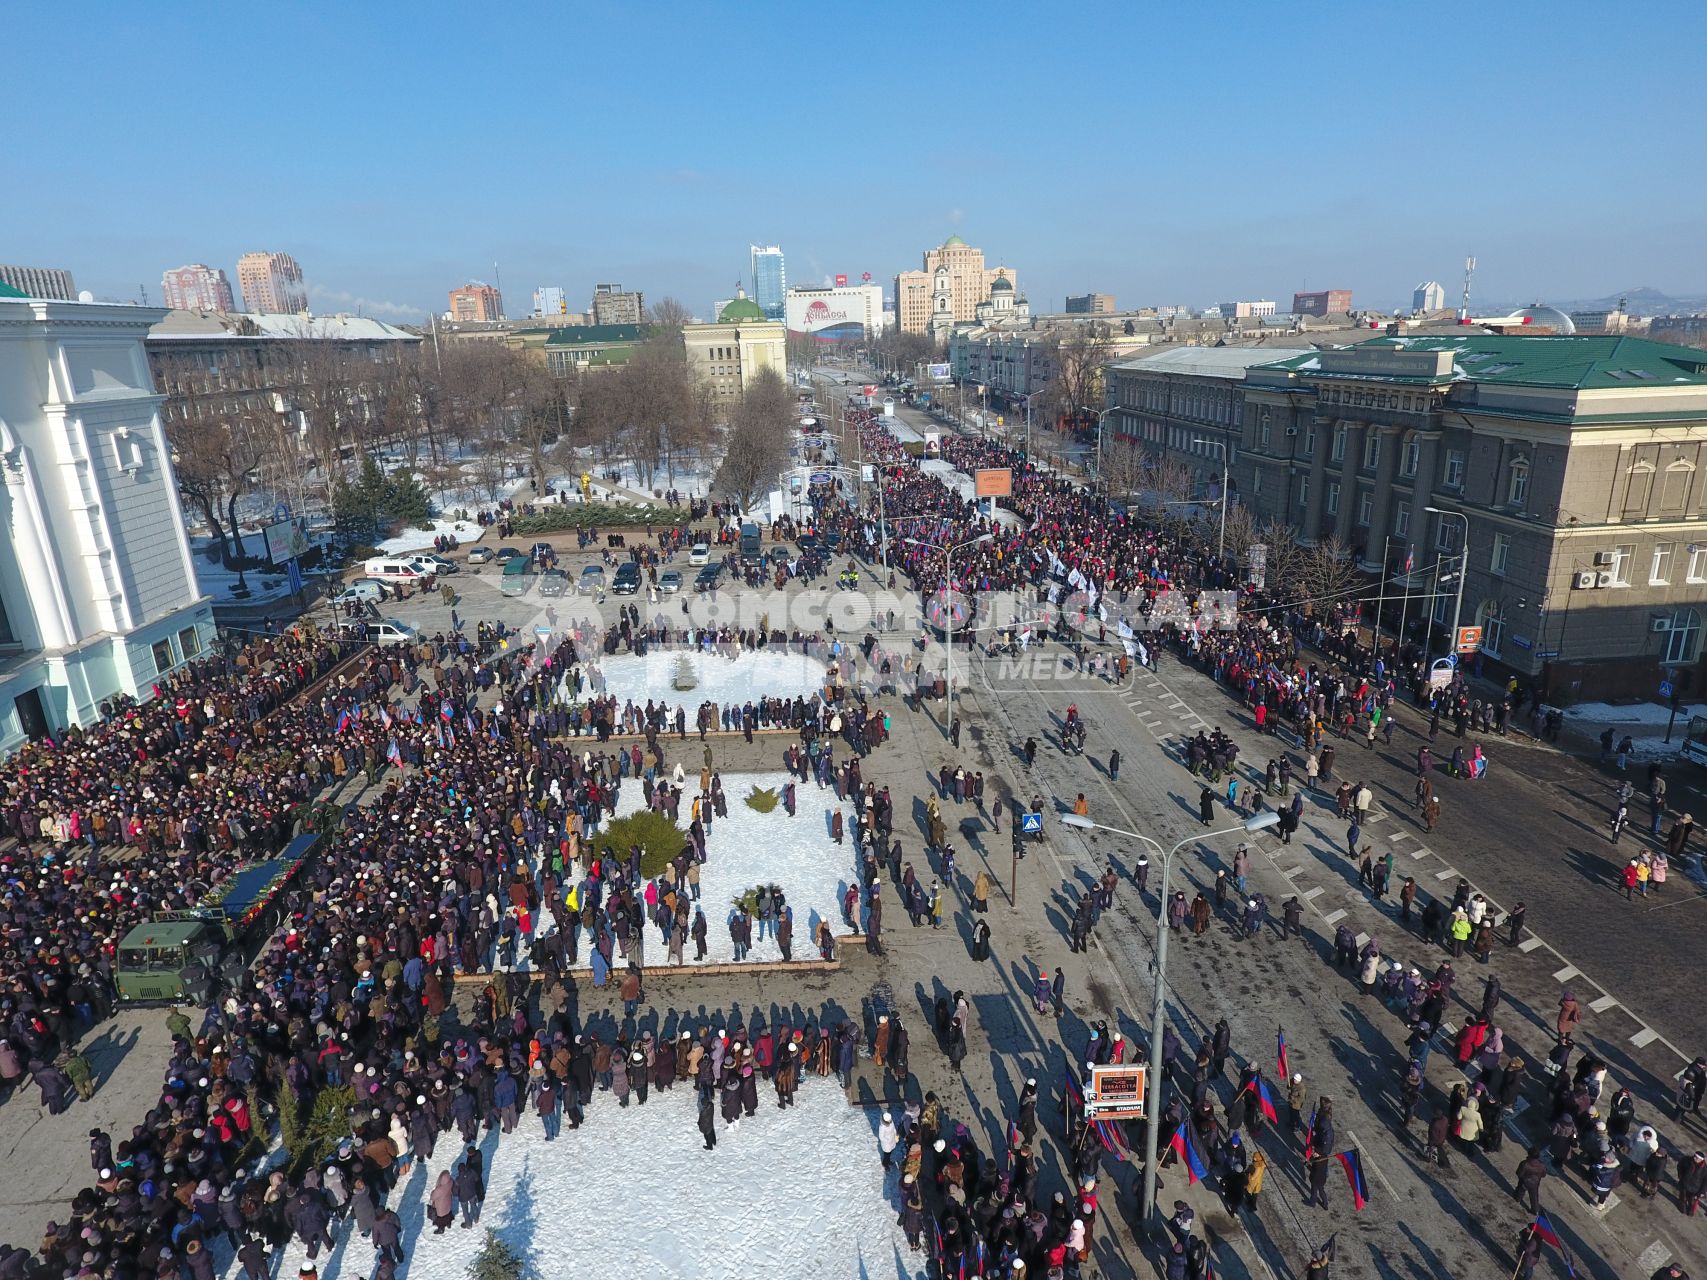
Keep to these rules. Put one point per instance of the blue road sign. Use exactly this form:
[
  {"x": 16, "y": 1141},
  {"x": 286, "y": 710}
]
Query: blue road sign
[
  {"x": 1665, "y": 688},
  {"x": 1031, "y": 823}
]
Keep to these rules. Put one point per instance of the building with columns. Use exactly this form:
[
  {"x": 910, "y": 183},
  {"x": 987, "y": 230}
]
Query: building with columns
[
  {"x": 98, "y": 591},
  {"x": 1577, "y": 465}
]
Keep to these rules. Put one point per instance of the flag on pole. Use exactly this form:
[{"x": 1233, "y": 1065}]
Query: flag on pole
[
  {"x": 1354, "y": 1175},
  {"x": 1544, "y": 1229},
  {"x": 385, "y": 717},
  {"x": 1410, "y": 558},
  {"x": 1186, "y": 1150},
  {"x": 1265, "y": 1100},
  {"x": 394, "y": 753},
  {"x": 343, "y": 720},
  {"x": 1310, "y": 1135},
  {"x": 1280, "y": 1033},
  {"x": 1328, "y": 1250}
]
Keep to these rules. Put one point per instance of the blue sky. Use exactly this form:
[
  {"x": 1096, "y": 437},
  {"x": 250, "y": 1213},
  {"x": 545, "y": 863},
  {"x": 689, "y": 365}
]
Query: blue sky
[{"x": 1164, "y": 153}]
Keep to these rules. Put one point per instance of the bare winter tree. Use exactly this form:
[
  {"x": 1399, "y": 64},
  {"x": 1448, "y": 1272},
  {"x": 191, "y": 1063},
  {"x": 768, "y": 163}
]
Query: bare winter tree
[
  {"x": 1286, "y": 557},
  {"x": 215, "y": 459},
  {"x": 759, "y": 433},
  {"x": 1076, "y": 385},
  {"x": 669, "y": 315},
  {"x": 1328, "y": 574}
]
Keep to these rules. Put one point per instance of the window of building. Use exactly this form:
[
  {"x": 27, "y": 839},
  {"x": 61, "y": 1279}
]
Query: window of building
[
  {"x": 1453, "y": 475},
  {"x": 1371, "y": 450},
  {"x": 1683, "y": 641},
  {"x": 1518, "y": 487},
  {"x": 1659, "y": 570},
  {"x": 1411, "y": 458},
  {"x": 1365, "y": 509},
  {"x": 189, "y": 643},
  {"x": 162, "y": 656},
  {"x": 1446, "y": 535},
  {"x": 1303, "y": 491},
  {"x": 1310, "y": 441},
  {"x": 1640, "y": 488},
  {"x": 1675, "y": 488},
  {"x": 1622, "y": 555},
  {"x": 1333, "y": 499},
  {"x": 1493, "y": 630},
  {"x": 1263, "y": 431},
  {"x": 1339, "y": 443},
  {"x": 1502, "y": 553},
  {"x": 1697, "y": 571},
  {"x": 1402, "y": 519}
]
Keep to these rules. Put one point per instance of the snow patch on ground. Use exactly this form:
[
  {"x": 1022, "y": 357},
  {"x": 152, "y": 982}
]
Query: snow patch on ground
[
  {"x": 415, "y": 539},
  {"x": 633, "y": 1193},
  {"x": 1635, "y": 713},
  {"x": 749, "y": 848},
  {"x": 725, "y": 681},
  {"x": 1644, "y": 722}
]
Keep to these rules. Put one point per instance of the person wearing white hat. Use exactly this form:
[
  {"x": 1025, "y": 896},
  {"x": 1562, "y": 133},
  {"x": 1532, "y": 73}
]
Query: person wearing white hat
[{"x": 888, "y": 1138}]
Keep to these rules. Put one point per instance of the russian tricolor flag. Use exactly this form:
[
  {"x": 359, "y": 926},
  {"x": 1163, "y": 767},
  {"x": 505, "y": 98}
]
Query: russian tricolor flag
[
  {"x": 1544, "y": 1229},
  {"x": 1280, "y": 1052}
]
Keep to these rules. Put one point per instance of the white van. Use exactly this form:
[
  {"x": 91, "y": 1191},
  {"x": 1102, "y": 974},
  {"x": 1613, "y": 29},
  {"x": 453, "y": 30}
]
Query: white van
[{"x": 393, "y": 569}]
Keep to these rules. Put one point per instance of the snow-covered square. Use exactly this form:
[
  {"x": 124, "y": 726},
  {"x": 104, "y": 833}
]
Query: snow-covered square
[
  {"x": 633, "y": 1194},
  {"x": 725, "y": 681},
  {"x": 750, "y": 848}
]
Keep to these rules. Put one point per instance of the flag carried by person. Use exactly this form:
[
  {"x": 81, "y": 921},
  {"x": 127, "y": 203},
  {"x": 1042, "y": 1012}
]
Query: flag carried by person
[
  {"x": 1186, "y": 1150},
  {"x": 1354, "y": 1174},
  {"x": 1544, "y": 1229},
  {"x": 1280, "y": 1041},
  {"x": 1265, "y": 1099},
  {"x": 1328, "y": 1250},
  {"x": 394, "y": 753},
  {"x": 1310, "y": 1135}
]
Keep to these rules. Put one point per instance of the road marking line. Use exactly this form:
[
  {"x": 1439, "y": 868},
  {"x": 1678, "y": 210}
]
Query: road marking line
[
  {"x": 1334, "y": 918},
  {"x": 1646, "y": 1036},
  {"x": 1603, "y": 1004},
  {"x": 1292, "y": 871},
  {"x": 1567, "y": 973},
  {"x": 1310, "y": 895},
  {"x": 1362, "y": 938},
  {"x": 1375, "y": 816},
  {"x": 1447, "y": 874},
  {"x": 1530, "y": 944},
  {"x": 1422, "y": 851},
  {"x": 1600, "y": 1210},
  {"x": 1400, "y": 835},
  {"x": 1448, "y": 1029}
]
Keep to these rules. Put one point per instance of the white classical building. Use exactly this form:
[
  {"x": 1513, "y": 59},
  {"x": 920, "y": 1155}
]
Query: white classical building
[{"x": 98, "y": 593}]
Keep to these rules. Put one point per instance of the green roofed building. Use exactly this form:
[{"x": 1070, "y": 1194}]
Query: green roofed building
[
  {"x": 575, "y": 348},
  {"x": 1576, "y": 465}
]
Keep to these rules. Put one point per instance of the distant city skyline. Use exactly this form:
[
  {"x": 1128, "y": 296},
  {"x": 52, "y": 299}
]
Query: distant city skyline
[{"x": 1340, "y": 182}]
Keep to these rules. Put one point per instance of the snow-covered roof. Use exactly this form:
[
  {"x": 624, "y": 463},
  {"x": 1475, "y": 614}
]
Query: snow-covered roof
[
  {"x": 274, "y": 326},
  {"x": 1211, "y": 362}
]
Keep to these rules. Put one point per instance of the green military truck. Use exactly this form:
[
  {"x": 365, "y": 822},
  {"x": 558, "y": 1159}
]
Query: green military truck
[{"x": 190, "y": 955}]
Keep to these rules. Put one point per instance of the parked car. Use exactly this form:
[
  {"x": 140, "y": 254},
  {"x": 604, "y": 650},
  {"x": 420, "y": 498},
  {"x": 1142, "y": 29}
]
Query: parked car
[
  {"x": 507, "y": 554},
  {"x": 554, "y": 582},
  {"x": 434, "y": 563},
  {"x": 395, "y": 570},
  {"x": 592, "y": 579},
  {"x": 780, "y": 555},
  {"x": 360, "y": 591},
  {"x": 670, "y": 582},
  {"x": 708, "y": 577},
  {"x": 480, "y": 555},
  {"x": 701, "y": 554},
  {"x": 385, "y": 631},
  {"x": 808, "y": 543},
  {"x": 627, "y": 581},
  {"x": 542, "y": 551}
]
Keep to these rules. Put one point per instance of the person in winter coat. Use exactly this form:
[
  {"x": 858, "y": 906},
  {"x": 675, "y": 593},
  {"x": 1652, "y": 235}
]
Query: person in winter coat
[
  {"x": 981, "y": 892},
  {"x": 388, "y": 1235},
  {"x": 1570, "y": 1016},
  {"x": 956, "y": 1043},
  {"x": 470, "y": 1180},
  {"x": 888, "y": 1138},
  {"x": 981, "y": 941},
  {"x": 441, "y": 1203}
]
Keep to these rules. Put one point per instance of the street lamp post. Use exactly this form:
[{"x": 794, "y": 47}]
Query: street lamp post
[
  {"x": 1463, "y": 567},
  {"x": 1220, "y": 547},
  {"x": 1158, "y": 1012},
  {"x": 948, "y": 570}
]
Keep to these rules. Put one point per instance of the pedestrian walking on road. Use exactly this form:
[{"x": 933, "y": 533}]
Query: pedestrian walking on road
[
  {"x": 1058, "y": 992},
  {"x": 1206, "y": 806},
  {"x": 1530, "y": 1172},
  {"x": 1114, "y": 771}
]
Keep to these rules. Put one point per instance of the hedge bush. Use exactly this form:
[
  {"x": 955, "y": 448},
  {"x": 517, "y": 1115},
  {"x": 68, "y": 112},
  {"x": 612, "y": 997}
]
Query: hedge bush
[
  {"x": 556, "y": 518},
  {"x": 659, "y": 839}
]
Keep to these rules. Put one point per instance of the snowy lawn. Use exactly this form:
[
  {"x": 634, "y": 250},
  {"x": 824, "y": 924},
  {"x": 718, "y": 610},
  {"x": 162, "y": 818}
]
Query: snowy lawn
[
  {"x": 1635, "y": 713},
  {"x": 749, "y": 848},
  {"x": 464, "y": 531},
  {"x": 1644, "y": 722},
  {"x": 725, "y": 681},
  {"x": 633, "y": 1193}
]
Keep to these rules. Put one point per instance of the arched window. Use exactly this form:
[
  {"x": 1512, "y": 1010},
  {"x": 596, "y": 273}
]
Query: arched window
[
  {"x": 1674, "y": 489},
  {"x": 1491, "y": 619},
  {"x": 1683, "y": 641},
  {"x": 1641, "y": 486}
]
